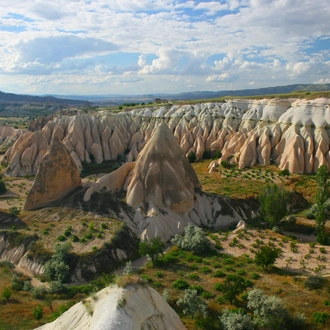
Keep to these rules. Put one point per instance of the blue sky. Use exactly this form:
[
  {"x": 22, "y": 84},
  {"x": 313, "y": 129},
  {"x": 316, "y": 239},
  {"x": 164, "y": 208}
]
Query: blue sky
[{"x": 165, "y": 46}]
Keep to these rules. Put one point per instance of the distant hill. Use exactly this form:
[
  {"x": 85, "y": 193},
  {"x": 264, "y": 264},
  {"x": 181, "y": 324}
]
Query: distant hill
[
  {"x": 250, "y": 92},
  {"x": 28, "y": 105},
  {"x": 116, "y": 99},
  {"x": 9, "y": 97}
]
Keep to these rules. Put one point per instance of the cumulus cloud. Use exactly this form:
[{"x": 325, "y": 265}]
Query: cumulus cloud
[{"x": 40, "y": 38}]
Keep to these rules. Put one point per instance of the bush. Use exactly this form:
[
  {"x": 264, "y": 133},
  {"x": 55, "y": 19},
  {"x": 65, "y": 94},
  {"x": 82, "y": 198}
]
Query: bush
[
  {"x": 181, "y": 284},
  {"x": 191, "y": 157},
  {"x": 320, "y": 317},
  {"x": 218, "y": 154},
  {"x": 38, "y": 313},
  {"x": 315, "y": 282},
  {"x": 266, "y": 256},
  {"x": 152, "y": 249},
  {"x": 3, "y": 188},
  {"x": 194, "y": 239},
  {"x": 225, "y": 164},
  {"x": 6, "y": 293},
  {"x": 14, "y": 211},
  {"x": 192, "y": 304},
  {"x": 311, "y": 212},
  {"x": 270, "y": 313},
  {"x": 57, "y": 268},
  {"x": 236, "y": 321}
]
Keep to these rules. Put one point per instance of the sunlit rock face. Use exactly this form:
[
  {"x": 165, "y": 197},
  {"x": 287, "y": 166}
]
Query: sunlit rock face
[
  {"x": 113, "y": 308},
  {"x": 293, "y": 133},
  {"x": 162, "y": 176},
  {"x": 57, "y": 176}
]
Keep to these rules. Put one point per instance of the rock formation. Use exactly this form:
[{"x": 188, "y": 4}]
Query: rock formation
[
  {"x": 164, "y": 190},
  {"x": 293, "y": 133},
  {"x": 162, "y": 176},
  {"x": 114, "y": 308},
  {"x": 57, "y": 176}
]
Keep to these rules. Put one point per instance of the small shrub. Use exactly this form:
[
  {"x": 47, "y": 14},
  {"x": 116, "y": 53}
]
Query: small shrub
[
  {"x": 181, "y": 284},
  {"x": 191, "y": 157},
  {"x": 315, "y": 282},
  {"x": 323, "y": 250},
  {"x": 219, "y": 273},
  {"x": 159, "y": 274},
  {"x": 221, "y": 300},
  {"x": 206, "y": 270},
  {"x": 193, "y": 277},
  {"x": 207, "y": 295},
  {"x": 61, "y": 238},
  {"x": 320, "y": 318},
  {"x": 198, "y": 288},
  {"x": 6, "y": 293}
]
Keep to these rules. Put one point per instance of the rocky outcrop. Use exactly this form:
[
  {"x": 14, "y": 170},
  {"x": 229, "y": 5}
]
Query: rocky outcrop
[
  {"x": 293, "y": 133},
  {"x": 135, "y": 307},
  {"x": 18, "y": 256},
  {"x": 163, "y": 189},
  {"x": 57, "y": 176},
  {"x": 162, "y": 176},
  {"x": 8, "y": 135}
]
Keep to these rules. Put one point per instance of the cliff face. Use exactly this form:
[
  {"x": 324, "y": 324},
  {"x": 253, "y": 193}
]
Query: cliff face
[
  {"x": 134, "y": 308},
  {"x": 293, "y": 133}
]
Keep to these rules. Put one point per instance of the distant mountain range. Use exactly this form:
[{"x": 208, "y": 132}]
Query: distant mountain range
[
  {"x": 9, "y": 97},
  {"x": 120, "y": 98},
  {"x": 14, "y": 104}
]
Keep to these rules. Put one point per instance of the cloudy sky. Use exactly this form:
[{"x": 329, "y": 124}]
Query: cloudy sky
[{"x": 146, "y": 46}]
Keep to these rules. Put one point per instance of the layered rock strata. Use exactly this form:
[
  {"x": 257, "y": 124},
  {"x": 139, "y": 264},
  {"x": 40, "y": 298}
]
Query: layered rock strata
[{"x": 293, "y": 133}]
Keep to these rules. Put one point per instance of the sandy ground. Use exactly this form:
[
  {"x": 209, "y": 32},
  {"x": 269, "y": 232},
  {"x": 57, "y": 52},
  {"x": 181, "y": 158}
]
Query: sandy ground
[{"x": 298, "y": 256}]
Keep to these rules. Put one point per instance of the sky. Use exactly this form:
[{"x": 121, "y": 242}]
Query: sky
[{"x": 100, "y": 47}]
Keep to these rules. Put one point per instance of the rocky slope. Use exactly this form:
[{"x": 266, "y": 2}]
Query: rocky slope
[
  {"x": 294, "y": 133},
  {"x": 135, "y": 308},
  {"x": 164, "y": 192}
]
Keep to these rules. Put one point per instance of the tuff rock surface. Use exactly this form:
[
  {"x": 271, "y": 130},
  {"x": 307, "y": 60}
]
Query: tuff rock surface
[
  {"x": 294, "y": 133},
  {"x": 114, "y": 308},
  {"x": 162, "y": 176},
  {"x": 57, "y": 176},
  {"x": 163, "y": 189}
]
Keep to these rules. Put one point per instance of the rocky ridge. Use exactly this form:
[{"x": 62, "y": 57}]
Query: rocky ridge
[{"x": 294, "y": 133}]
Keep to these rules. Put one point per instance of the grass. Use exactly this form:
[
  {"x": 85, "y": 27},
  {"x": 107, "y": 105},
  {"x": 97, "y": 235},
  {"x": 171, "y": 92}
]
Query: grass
[{"x": 288, "y": 286}]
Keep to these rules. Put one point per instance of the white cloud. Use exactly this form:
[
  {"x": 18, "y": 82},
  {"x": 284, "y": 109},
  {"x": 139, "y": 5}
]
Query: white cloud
[{"x": 262, "y": 40}]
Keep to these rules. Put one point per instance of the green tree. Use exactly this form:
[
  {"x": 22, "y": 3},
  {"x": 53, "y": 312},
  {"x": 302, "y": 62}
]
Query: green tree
[
  {"x": 266, "y": 256},
  {"x": 273, "y": 204},
  {"x": 57, "y": 268},
  {"x": 193, "y": 239},
  {"x": 191, "y": 157},
  {"x": 236, "y": 321},
  {"x": 192, "y": 304},
  {"x": 270, "y": 312},
  {"x": 38, "y": 313},
  {"x": 152, "y": 249},
  {"x": 323, "y": 182},
  {"x": 6, "y": 293},
  {"x": 232, "y": 287}
]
